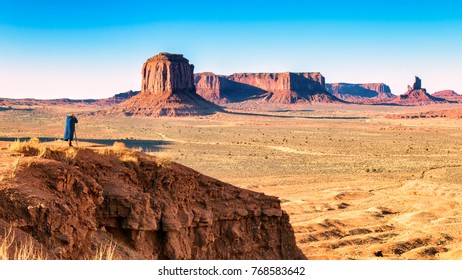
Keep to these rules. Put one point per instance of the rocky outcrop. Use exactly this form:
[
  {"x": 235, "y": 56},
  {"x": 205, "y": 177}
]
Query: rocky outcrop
[
  {"x": 167, "y": 90},
  {"x": 416, "y": 95},
  {"x": 361, "y": 93},
  {"x": 283, "y": 88},
  {"x": 73, "y": 201},
  {"x": 448, "y": 95}
]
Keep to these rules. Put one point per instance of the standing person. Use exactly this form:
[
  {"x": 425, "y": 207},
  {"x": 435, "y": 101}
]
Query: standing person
[{"x": 71, "y": 120}]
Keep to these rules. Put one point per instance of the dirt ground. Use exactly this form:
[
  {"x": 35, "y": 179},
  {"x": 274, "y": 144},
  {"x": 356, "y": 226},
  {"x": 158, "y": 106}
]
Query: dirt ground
[{"x": 357, "y": 184}]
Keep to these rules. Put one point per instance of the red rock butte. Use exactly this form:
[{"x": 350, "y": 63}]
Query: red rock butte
[{"x": 168, "y": 90}]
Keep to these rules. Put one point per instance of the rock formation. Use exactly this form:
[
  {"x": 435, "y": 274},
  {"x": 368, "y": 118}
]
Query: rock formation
[
  {"x": 72, "y": 202},
  {"x": 448, "y": 95},
  {"x": 416, "y": 95},
  {"x": 361, "y": 93},
  {"x": 283, "y": 88},
  {"x": 168, "y": 90},
  {"x": 417, "y": 84},
  {"x": 219, "y": 89}
]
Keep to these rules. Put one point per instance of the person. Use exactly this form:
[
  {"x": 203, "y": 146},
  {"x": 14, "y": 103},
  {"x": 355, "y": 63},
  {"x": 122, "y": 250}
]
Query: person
[{"x": 71, "y": 120}]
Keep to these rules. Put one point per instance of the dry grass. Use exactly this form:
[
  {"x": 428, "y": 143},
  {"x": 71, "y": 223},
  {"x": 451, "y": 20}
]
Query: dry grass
[
  {"x": 106, "y": 252},
  {"x": 33, "y": 147},
  {"x": 122, "y": 152},
  {"x": 164, "y": 161},
  {"x": 21, "y": 251}
]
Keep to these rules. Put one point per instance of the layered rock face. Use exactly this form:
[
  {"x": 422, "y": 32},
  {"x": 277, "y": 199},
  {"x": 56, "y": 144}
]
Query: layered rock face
[
  {"x": 269, "y": 87},
  {"x": 278, "y": 82},
  {"x": 167, "y": 72},
  {"x": 219, "y": 89},
  {"x": 168, "y": 90},
  {"x": 416, "y": 95},
  {"x": 448, "y": 95},
  {"x": 361, "y": 93},
  {"x": 71, "y": 205}
]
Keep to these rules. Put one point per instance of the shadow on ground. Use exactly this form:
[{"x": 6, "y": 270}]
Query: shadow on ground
[
  {"x": 296, "y": 117},
  {"x": 145, "y": 145}
]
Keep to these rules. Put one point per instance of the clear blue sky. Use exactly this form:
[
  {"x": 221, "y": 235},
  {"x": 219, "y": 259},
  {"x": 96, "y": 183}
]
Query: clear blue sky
[{"x": 95, "y": 49}]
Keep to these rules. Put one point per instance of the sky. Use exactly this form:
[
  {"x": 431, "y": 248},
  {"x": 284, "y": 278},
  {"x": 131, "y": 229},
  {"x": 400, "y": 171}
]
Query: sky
[{"x": 95, "y": 49}]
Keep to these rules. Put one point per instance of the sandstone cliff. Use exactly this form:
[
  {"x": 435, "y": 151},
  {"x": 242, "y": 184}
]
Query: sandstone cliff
[
  {"x": 283, "y": 88},
  {"x": 71, "y": 202},
  {"x": 167, "y": 90},
  {"x": 219, "y": 89},
  {"x": 361, "y": 93}
]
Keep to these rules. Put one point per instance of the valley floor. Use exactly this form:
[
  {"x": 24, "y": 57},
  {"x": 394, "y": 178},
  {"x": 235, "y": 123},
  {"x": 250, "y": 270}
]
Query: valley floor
[{"x": 356, "y": 183}]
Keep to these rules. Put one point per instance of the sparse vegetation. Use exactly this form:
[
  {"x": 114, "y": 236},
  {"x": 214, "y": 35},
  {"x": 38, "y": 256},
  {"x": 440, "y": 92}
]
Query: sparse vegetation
[
  {"x": 12, "y": 249},
  {"x": 33, "y": 147},
  {"x": 122, "y": 152},
  {"x": 106, "y": 252}
]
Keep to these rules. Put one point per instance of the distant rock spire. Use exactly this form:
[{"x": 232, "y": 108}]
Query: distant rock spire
[{"x": 417, "y": 83}]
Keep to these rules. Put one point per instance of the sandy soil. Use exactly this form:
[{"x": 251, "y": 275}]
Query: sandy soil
[{"x": 357, "y": 184}]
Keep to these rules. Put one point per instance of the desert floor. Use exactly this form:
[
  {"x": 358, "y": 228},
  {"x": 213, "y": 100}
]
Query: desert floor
[{"x": 356, "y": 183}]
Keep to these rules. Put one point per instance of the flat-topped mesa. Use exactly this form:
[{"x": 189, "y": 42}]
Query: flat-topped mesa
[
  {"x": 286, "y": 88},
  {"x": 369, "y": 93},
  {"x": 279, "y": 82},
  {"x": 166, "y": 72}
]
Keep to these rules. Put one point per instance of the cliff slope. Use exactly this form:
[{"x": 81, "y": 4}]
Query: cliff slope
[
  {"x": 71, "y": 202},
  {"x": 282, "y": 88}
]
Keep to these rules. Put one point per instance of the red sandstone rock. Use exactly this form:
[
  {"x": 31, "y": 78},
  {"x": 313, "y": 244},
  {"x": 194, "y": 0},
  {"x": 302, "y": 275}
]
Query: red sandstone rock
[
  {"x": 286, "y": 88},
  {"x": 167, "y": 90},
  {"x": 70, "y": 206},
  {"x": 416, "y": 95},
  {"x": 448, "y": 95}
]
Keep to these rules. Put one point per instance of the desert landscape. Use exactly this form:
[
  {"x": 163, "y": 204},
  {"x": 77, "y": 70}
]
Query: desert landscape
[{"x": 360, "y": 172}]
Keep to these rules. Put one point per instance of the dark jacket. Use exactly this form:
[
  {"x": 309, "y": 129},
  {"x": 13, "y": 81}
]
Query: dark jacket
[{"x": 70, "y": 128}]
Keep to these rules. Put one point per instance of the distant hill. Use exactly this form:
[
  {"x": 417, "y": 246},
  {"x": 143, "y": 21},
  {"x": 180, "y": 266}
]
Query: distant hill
[{"x": 448, "y": 95}]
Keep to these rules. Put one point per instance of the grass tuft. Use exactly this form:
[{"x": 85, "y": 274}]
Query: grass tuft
[
  {"x": 106, "y": 252},
  {"x": 21, "y": 250}
]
